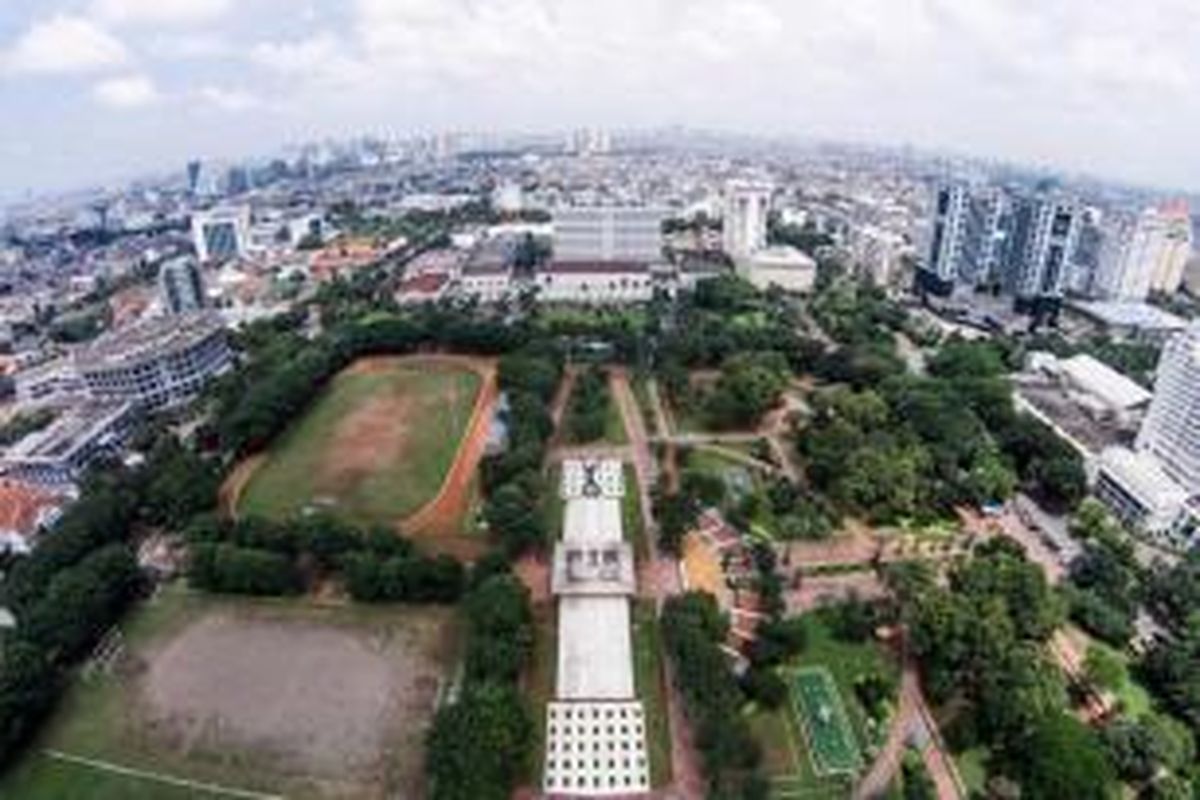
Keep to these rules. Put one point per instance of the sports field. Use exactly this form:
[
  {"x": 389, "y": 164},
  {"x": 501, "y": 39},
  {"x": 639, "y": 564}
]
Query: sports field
[
  {"x": 254, "y": 699},
  {"x": 827, "y": 732},
  {"x": 375, "y": 447}
]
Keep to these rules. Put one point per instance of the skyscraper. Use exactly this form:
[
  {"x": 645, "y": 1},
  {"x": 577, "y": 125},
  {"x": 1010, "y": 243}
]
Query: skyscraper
[
  {"x": 1176, "y": 248},
  {"x": 745, "y": 218},
  {"x": 193, "y": 176},
  {"x": 950, "y": 245},
  {"x": 1045, "y": 231},
  {"x": 181, "y": 286},
  {"x": 1171, "y": 430}
]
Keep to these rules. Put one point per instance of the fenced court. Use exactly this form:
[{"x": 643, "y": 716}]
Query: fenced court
[{"x": 822, "y": 718}]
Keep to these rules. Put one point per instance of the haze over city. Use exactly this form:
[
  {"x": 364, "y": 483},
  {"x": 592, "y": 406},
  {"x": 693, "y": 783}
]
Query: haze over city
[{"x": 99, "y": 90}]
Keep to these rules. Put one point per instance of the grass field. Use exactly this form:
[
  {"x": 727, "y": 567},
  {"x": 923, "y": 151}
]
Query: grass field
[
  {"x": 221, "y": 698},
  {"x": 651, "y": 690},
  {"x": 374, "y": 447},
  {"x": 827, "y": 731}
]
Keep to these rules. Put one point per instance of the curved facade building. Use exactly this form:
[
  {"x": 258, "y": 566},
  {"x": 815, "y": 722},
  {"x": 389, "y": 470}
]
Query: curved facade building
[{"x": 157, "y": 364}]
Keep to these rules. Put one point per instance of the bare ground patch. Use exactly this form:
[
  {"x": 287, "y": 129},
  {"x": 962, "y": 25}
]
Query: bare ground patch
[
  {"x": 367, "y": 440},
  {"x": 338, "y": 709}
]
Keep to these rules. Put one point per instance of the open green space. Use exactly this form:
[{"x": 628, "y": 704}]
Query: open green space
[
  {"x": 823, "y": 719},
  {"x": 41, "y": 777},
  {"x": 651, "y": 689},
  {"x": 787, "y": 760},
  {"x": 247, "y": 695},
  {"x": 631, "y": 514},
  {"x": 374, "y": 447},
  {"x": 538, "y": 684}
]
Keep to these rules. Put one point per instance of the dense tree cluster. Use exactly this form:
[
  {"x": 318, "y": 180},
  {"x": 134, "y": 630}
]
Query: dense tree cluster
[
  {"x": 693, "y": 630},
  {"x": 750, "y": 385},
  {"x": 512, "y": 479},
  {"x": 260, "y": 557},
  {"x": 589, "y": 406},
  {"x": 79, "y": 581},
  {"x": 479, "y": 745},
  {"x": 980, "y": 641},
  {"x": 1104, "y": 588}
]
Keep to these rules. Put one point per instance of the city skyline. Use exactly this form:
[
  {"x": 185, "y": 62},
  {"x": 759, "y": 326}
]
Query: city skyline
[{"x": 106, "y": 89}]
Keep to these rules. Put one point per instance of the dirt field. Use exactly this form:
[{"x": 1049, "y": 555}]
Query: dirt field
[
  {"x": 286, "y": 698},
  {"x": 382, "y": 443}
]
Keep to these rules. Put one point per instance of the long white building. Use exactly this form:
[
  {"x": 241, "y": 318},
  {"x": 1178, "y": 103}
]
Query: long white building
[
  {"x": 608, "y": 233},
  {"x": 595, "y": 726}
]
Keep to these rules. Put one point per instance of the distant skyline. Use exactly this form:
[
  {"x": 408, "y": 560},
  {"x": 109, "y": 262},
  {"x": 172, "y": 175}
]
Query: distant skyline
[{"x": 96, "y": 91}]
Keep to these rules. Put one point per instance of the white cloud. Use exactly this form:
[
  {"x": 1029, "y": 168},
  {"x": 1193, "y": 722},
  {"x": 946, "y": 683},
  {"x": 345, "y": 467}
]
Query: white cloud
[
  {"x": 321, "y": 58},
  {"x": 160, "y": 12},
  {"x": 227, "y": 99},
  {"x": 65, "y": 44},
  {"x": 127, "y": 91}
]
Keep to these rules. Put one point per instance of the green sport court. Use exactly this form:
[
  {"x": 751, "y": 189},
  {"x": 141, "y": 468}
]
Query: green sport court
[{"x": 822, "y": 717}]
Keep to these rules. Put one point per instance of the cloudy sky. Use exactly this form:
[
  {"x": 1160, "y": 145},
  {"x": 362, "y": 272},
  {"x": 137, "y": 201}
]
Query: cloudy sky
[{"x": 94, "y": 90}]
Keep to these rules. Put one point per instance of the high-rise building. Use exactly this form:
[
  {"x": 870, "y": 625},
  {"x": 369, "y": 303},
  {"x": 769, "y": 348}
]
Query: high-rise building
[
  {"x": 747, "y": 204},
  {"x": 950, "y": 246},
  {"x": 1171, "y": 430},
  {"x": 608, "y": 233},
  {"x": 1045, "y": 231},
  {"x": 1176, "y": 248},
  {"x": 193, "y": 176},
  {"x": 221, "y": 234},
  {"x": 181, "y": 286},
  {"x": 992, "y": 226}
]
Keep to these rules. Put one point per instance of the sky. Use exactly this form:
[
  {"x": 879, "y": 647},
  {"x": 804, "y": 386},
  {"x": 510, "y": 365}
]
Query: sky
[{"x": 98, "y": 90}]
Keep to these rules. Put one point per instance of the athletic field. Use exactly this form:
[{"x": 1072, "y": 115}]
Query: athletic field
[
  {"x": 374, "y": 448},
  {"x": 822, "y": 718}
]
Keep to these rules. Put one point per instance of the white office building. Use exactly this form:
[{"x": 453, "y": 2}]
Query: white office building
[
  {"x": 1171, "y": 431},
  {"x": 744, "y": 227},
  {"x": 608, "y": 233},
  {"x": 595, "y": 726},
  {"x": 221, "y": 234},
  {"x": 1139, "y": 493},
  {"x": 781, "y": 267},
  {"x": 595, "y": 282}
]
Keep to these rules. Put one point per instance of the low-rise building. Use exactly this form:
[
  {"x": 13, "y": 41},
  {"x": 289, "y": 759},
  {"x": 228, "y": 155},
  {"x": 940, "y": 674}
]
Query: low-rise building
[
  {"x": 595, "y": 282},
  {"x": 26, "y": 513},
  {"x": 59, "y": 454},
  {"x": 1139, "y": 493},
  {"x": 784, "y": 267},
  {"x": 156, "y": 364}
]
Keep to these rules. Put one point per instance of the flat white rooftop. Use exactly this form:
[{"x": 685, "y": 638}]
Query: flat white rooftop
[
  {"x": 596, "y": 749},
  {"x": 595, "y": 655},
  {"x": 592, "y": 520},
  {"x": 592, "y": 478}
]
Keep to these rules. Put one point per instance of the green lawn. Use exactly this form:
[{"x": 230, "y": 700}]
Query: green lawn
[
  {"x": 641, "y": 391},
  {"x": 972, "y": 766},
  {"x": 539, "y": 683},
  {"x": 404, "y": 424},
  {"x": 631, "y": 514},
  {"x": 614, "y": 424},
  {"x": 651, "y": 690},
  {"x": 827, "y": 732},
  {"x": 40, "y": 777},
  {"x": 786, "y": 758}
]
